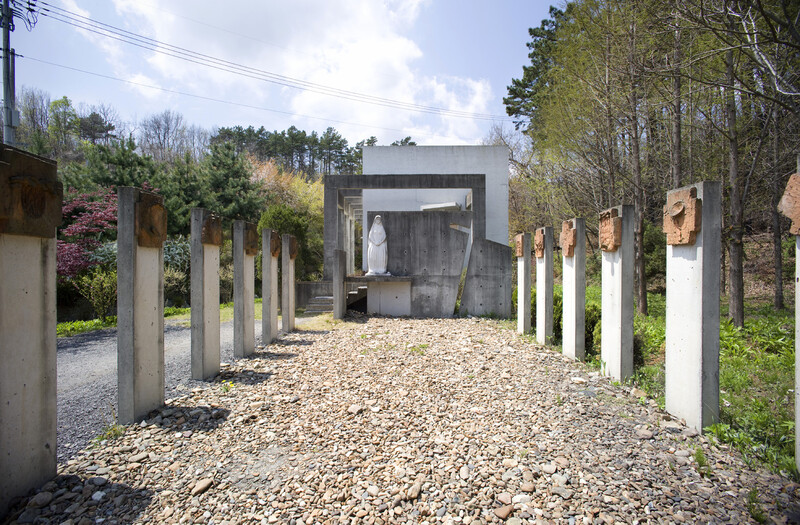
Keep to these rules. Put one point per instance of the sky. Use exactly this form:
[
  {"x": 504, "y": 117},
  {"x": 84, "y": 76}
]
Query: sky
[{"x": 434, "y": 70}]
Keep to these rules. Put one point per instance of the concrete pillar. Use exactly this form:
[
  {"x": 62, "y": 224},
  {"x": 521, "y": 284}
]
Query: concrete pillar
[
  {"x": 523, "y": 247},
  {"x": 692, "y": 222},
  {"x": 141, "y": 232},
  {"x": 790, "y": 207},
  {"x": 616, "y": 340},
  {"x": 543, "y": 246},
  {"x": 245, "y": 248},
  {"x": 351, "y": 247},
  {"x": 573, "y": 318},
  {"x": 271, "y": 249},
  {"x": 339, "y": 287},
  {"x": 288, "y": 254},
  {"x": 30, "y": 211},
  {"x": 206, "y": 240}
]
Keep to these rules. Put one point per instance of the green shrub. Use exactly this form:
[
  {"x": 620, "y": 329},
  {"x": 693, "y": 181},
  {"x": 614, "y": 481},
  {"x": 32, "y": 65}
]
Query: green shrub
[
  {"x": 178, "y": 254},
  {"x": 176, "y": 287},
  {"x": 226, "y": 283},
  {"x": 592, "y": 319},
  {"x": 99, "y": 287}
]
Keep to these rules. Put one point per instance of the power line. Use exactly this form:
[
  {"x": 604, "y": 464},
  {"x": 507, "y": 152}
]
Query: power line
[
  {"x": 218, "y": 100},
  {"x": 115, "y": 33}
]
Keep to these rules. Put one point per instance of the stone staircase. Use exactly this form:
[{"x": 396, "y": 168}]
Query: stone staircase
[{"x": 324, "y": 303}]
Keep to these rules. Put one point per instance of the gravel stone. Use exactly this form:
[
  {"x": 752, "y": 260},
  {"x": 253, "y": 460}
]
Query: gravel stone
[{"x": 281, "y": 446}]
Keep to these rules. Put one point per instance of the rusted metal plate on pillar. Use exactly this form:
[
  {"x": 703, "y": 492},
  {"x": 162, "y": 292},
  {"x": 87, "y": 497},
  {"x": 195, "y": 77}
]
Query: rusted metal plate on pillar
[
  {"x": 567, "y": 239},
  {"x": 275, "y": 244},
  {"x": 538, "y": 243},
  {"x": 30, "y": 194},
  {"x": 151, "y": 220},
  {"x": 682, "y": 216},
  {"x": 610, "y": 230},
  {"x": 519, "y": 241},
  {"x": 250, "y": 238},
  {"x": 790, "y": 203},
  {"x": 211, "y": 232}
]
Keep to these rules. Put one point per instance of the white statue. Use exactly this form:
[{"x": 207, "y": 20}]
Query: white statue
[{"x": 377, "y": 252}]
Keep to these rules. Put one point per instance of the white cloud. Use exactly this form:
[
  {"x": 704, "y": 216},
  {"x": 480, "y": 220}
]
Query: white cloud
[{"x": 354, "y": 45}]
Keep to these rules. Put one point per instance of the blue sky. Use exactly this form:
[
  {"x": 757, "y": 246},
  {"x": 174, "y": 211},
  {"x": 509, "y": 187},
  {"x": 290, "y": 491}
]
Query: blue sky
[{"x": 444, "y": 54}]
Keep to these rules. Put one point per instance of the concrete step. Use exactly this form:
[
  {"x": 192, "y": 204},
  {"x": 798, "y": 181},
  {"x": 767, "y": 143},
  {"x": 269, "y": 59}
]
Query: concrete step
[{"x": 320, "y": 304}]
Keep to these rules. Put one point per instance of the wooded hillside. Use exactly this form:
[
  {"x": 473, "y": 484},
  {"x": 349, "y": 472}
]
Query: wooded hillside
[{"x": 622, "y": 101}]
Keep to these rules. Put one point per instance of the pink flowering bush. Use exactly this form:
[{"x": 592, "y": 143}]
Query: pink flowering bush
[{"x": 90, "y": 218}]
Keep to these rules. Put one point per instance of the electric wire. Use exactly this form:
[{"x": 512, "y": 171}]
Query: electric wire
[
  {"x": 115, "y": 33},
  {"x": 218, "y": 100}
]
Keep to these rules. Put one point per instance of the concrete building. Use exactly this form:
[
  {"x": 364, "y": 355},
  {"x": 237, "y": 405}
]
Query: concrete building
[{"x": 446, "y": 214}]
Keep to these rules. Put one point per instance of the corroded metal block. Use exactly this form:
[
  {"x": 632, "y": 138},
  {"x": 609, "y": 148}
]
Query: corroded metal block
[
  {"x": 538, "y": 243},
  {"x": 250, "y": 238},
  {"x": 790, "y": 203},
  {"x": 610, "y": 230},
  {"x": 294, "y": 248},
  {"x": 211, "y": 232},
  {"x": 519, "y": 241},
  {"x": 275, "y": 244},
  {"x": 567, "y": 239},
  {"x": 30, "y": 194},
  {"x": 682, "y": 216},
  {"x": 151, "y": 220}
]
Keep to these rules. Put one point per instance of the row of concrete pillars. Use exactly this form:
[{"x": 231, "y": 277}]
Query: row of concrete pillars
[
  {"x": 140, "y": 303},
  {"x": 30, "y": 211},
  {"x": 692, "y": 223}
]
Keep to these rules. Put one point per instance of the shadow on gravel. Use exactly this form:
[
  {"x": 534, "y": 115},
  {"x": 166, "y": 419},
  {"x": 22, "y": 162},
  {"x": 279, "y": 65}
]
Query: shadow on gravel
[
  {"x": 275, "y": 356},
  {"x": 77, "y": 342},
  {"x": 80, "y": 498},
  {"x": 184, "y": 418},
  {"x": 293, "y": 342},
  {"x": 246, "y": 377}
]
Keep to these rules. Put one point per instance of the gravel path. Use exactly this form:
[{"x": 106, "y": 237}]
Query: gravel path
[
  {"x": 410, "y": 421},
  {"x": 87, "y": 379}
]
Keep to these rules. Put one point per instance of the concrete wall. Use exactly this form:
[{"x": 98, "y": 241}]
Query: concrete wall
[
  {"x": 28, "y": 370},
  {"x": 424, "y": 246},
  {"x": 487, "y": 287},
  {"x": 392, "y": 160}
]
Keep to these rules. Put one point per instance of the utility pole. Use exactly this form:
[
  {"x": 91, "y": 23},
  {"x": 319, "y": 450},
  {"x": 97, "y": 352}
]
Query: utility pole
[{"x": 10, "y": 117}]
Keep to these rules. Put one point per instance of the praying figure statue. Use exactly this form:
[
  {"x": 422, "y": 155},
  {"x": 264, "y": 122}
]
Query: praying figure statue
[{"x": 377, "y": 251}]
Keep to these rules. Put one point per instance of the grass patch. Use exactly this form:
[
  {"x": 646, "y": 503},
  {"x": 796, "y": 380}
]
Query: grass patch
[
  {"x": 110, "y": 432},
  {"x": 418, "y": 349},
  {"x": 756, "y": 381},
  {"x": 71, "y": 328}
]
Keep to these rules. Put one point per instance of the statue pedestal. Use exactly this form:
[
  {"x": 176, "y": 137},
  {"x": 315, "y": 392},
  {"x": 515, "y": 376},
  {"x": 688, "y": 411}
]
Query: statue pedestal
[{"x": 386, "y": 294}]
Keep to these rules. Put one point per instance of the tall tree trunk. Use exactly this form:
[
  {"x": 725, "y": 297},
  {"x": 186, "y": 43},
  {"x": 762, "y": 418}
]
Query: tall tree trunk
[
  {"x": 735, "y": 246},
  {"x": 638, "y": 212},
  {"x": 777, "y": 252},
  {"x": 675, "y": 164}
]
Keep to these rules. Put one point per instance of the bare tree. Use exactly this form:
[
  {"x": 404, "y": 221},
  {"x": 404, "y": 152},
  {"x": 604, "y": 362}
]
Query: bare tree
[{"x": 163, "y": 136}]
